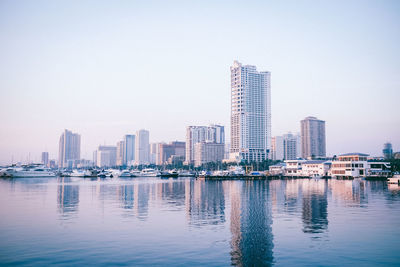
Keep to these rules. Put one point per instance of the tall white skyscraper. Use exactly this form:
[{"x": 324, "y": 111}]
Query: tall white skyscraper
[
  {"x": 250, "y": 113},
  {"x": 129, "y": 149},
  {"x": 313, "y": 138},
  {"x": 142, "y": 146},
  {"x": 69, "y": 149},
  {"x": 197, "y": 134}
]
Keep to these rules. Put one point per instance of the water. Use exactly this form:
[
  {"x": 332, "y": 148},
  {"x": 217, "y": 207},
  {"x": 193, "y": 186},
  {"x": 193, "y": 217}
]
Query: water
[{"x": 180, "y": 222}]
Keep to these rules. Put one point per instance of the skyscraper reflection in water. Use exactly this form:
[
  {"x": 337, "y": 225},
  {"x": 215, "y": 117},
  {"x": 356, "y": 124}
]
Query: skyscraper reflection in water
[
  {"x": 67, "y": 197},
  {"x": 251, "y": 220},
  {"x": 205, "y": 202}
]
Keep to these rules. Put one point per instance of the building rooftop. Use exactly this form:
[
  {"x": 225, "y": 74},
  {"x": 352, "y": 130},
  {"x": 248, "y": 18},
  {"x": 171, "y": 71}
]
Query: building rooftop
[
  {"x": 314, "y": 161},
  {"x": 354, "y": 154}
]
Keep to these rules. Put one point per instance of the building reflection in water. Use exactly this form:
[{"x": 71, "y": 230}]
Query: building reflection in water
[
  {"x": 251, "y": 224},
  {"x": 135, "y": 198},
  {"x": 315, "y": 206},
  {"x": 205, "y": 202},
  {"x": 67, "y": 196}
]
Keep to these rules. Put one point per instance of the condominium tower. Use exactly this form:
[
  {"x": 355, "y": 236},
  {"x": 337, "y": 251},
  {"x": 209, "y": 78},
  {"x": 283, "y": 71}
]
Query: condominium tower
[
  {"x": 313, "y": 138},
  {"x": 198, "y": 134},
  {"x": 250, "y": 113},
  {"x": 129, "y": 149},
  {"x": 142, "y": 147},
  {"x": 69, "y": 149}
]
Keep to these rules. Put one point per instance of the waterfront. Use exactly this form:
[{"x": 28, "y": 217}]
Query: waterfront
[{"x": 177, "y": 222}]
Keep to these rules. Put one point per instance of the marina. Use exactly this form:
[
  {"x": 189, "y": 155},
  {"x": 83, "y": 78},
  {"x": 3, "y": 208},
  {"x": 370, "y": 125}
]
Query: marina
[{"x": 152, "y": 221}]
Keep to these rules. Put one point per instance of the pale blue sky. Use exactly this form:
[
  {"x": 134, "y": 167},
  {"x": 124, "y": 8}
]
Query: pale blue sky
[{"x": 107, "y": 68}]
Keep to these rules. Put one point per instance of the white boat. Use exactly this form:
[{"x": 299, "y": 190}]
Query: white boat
[
  {"x": 76, "y": 173},
  {"x": 31, "y": 171},
  {"x": 125, "y": 173},
  {"x": 186, "y": 174},
  {"x": 394, "y": 180},
  {"x": 149, "y": 173},
  {"x": 135, "y": 173},
  {"x": 5, "y": 172}
]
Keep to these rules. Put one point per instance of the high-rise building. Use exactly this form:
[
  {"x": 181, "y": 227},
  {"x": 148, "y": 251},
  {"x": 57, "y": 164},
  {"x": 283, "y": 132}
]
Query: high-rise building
[
  {"x": 250, "y": 113},
  {"x": 45, "y": 158},
  {"x": 197, "y": 134},
  {"x": 121, "y": 153},
  {"x": 154, "y": 148},
  {"x": 106, "y": 156},
  {"x": 313, "y": 138},
  {"x": 286, "y": 147},
  {"x": 142, "y": 146},
  {"x": 208, "y": 152},
  {"x": 387, "y": 151},
  {"x": 129, "y": 149},
  {"x": 176, "y": 149},
  {"x": 69, "y": 149}
]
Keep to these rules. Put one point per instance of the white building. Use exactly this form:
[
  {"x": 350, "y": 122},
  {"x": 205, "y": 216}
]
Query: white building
[
  {"x": 294, "y": 167},
  {"x": 208, "y": 152},
  {"x": 106, "y": 156},
  {"x": 120, "y": 153},
  {"x": 286, "y": 147},
  {"x": 350, "y": 165},
  {"x": 154, "y": 148},
  {"x": 250, "y": 113},
  {"x": 315, "y": 168},
  {"x": 313, "y": 138},
  {"x": 69, "y": 149},
  {"x": 196, "y": 134},
  {"x": 129, "y": 150},
  {"x": 142, "y": 146}
]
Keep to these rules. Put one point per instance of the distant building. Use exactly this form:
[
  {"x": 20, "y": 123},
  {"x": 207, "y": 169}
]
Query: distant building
[
  {"x": 129, "y": 149},
  {"x": 286, "y": 147},
  {"x": 154, "y": 150},
  {"x": 69, "y": 149},
  {"x": 176, "y": 149},
  {"x": 142, "y": 146},
  {"x": 313, "y": 138},
  {"x": 45, "y": 158},
  {"x": 387, "y": 151},
  {"x": 106, "y": 156},
  {"x": 52, "y": 164},
  {"x": 250, "y": 113},
  {"x": 197, "y": 134},
  {"x": 208, "y": 152},
  {"x": 120, "y": 153}
]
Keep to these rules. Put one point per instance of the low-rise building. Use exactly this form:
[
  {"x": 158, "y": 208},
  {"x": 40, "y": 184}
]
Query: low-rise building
[
  {"x": 294, "y": 167},
  {"x": 277, "y": 169},
  {"x": 315, "y": 168},
  {"x": 350, "y": 165}
]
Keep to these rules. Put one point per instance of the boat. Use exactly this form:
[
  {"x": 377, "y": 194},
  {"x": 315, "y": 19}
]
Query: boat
[
  {"x": 30, "y": 171},
  {"x": 172, "y": 173},
  {"x": 394, "y": 180},
  {"x": 186, "y": 174},
  {"x": 135, "y": 173},
  {"x": 5, "y": 172},
  {"x": 125, "y": 173},
  {"x": 77, "y": 173},
  {"x": 149, "y": 173}
]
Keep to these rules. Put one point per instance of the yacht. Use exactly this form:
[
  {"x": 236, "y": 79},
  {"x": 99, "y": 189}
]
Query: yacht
[
  {"x": 149, "y": 173},
  {"x": 171, "y": 173},
  {"x": 186, "y": 174},
  {"x": 30, "y": 171},
  {"x": 125, "y": 173}
]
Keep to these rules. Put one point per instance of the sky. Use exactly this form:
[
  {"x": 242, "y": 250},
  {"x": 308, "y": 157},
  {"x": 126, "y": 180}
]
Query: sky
[{"x": 108, "y": 68}]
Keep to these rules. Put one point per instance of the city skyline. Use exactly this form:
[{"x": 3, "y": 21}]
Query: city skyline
[{"x": 94, "y": 72}]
